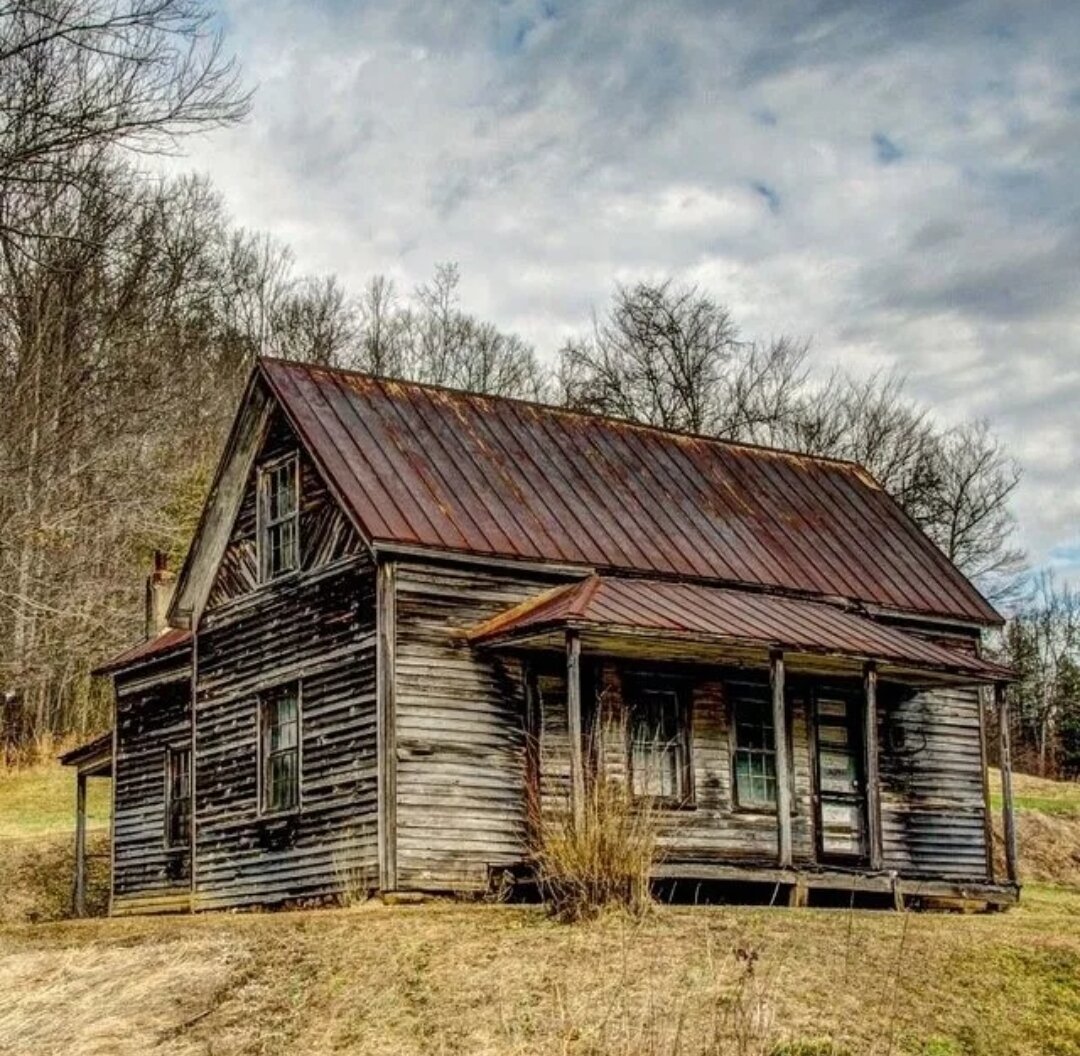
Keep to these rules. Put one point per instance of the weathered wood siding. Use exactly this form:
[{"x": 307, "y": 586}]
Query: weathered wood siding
[
  {"x": 315, "y": 627},
  {"x": 325, "y": 532},
  {"x": 153, "y": 713},
  {"x": 932, "y": 808},
  {"x": 318, "y": 629},
  {"x": 715, "y": 829},
  {"x": 460, "y": 729},
  {"x": 932, "y": 812}
]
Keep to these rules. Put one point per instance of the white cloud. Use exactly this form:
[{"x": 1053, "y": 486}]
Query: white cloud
[{"x": 895, "y": 181}]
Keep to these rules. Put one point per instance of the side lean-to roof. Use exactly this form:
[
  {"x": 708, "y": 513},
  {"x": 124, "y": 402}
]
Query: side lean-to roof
[{"x": 453, "y": 471}]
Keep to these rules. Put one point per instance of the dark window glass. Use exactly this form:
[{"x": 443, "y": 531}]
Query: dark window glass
[
  {"x": 178, "y": 797},
  {"x": 279, "y": 540},
  {"x": 279, "y": 716},
  {"x": 755, "y": 751},
  {"x": 659, "y": 755}
]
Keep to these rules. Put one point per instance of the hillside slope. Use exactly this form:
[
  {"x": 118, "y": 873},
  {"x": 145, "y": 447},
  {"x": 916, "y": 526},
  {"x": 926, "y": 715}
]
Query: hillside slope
[{"x": 486, "y": 979}]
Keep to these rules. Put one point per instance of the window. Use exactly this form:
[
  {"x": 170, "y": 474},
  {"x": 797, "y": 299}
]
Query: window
[
  {"x": 755, "y": 751},
  {"x": 279, "y": 518},
  {"x": 177, "y": 797},
  {"x": 659, "y": 743},
  {"x": 279, "y": 749}
]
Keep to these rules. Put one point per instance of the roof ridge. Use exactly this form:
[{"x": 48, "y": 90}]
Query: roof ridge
[{"x": 541, "y": 405}]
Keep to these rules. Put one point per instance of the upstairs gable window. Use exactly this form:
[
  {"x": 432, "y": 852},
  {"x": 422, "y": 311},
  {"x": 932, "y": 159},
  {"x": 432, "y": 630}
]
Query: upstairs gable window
[{"x": 279, "y": 518}]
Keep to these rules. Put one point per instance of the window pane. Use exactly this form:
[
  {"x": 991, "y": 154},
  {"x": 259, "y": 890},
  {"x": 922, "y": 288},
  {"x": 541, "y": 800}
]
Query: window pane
[
  {"x": 657, "y": 755},
  {"x": 282, "y": 780},
  {"x": 279, "y": 743},
  {"x": 280, "y": 532},
  {"x": 178, "y": 798},
  {"x": 755, "y": 752}
]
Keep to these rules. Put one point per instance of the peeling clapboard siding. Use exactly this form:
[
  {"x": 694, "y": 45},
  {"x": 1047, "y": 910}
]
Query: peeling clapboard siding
[
  {"x": 325, "y": 533},
  {"x": 933, "y": 815},
  {"x": 714, "y": 830},
  {"x": 152, "y": 713},
  {"x": 315, "y": 627},
  {"x": 461, "y": 796}
]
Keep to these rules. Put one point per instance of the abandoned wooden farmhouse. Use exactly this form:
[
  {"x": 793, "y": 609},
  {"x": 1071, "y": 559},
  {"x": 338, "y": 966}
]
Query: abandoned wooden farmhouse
[{"x": 413, "y": 617}]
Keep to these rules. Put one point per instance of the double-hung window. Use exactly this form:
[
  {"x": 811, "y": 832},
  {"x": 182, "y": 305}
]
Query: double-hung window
[
  {"x": 659, "y": 742},
  {"x": 177, "y": 797},
  {"x": 279, "y": 749},
  {"x": 755, "y": 750},
  {"x": 279, "y": 518}
]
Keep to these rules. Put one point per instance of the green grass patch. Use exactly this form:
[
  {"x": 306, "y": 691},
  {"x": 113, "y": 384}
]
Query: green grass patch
[
  {"x": 1059, "y": 798},
  {"x": 40, "y": 801}
]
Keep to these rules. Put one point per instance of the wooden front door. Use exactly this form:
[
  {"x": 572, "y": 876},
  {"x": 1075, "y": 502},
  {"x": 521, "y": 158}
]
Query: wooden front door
[{"x": 840, "y": 792}]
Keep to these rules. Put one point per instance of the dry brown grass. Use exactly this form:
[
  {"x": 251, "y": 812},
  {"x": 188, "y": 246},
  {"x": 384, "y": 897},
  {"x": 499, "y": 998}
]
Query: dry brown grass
[
  {"x": 487, "y": 980},
  {"x": 601, "y": 863},
  {"x": 115, "y": 999},
  {"x": 36, "y": 878}
]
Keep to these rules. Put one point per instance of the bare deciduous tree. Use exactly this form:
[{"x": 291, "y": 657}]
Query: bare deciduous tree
[
  {"x": 1042, "y": 644},
  {"x": 81, "y": 78},
  {"x": 671, "y": 355}
]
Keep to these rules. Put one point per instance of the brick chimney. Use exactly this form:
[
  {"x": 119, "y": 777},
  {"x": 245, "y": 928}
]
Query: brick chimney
[{"x": 159, "y": 592}]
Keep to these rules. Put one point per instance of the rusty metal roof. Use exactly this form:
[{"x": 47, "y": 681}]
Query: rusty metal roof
[
  {"x": 483, "y": 475},
  {"x": 173, "y": 639},
  {"x": 698, "y": 612}
]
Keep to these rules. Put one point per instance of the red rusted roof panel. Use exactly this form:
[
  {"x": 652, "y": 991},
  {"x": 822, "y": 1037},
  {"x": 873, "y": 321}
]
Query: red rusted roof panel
[
  {"x": 484, "y": 475},
  {"x": 691, "y": 610},
  {"x": 166, "y": 642}
]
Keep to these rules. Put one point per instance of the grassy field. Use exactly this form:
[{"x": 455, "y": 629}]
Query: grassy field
[
  {"x": 1061, "y": 798},
  {"x": 40, "y": 801},
  {"x": 488, "y": 979}
]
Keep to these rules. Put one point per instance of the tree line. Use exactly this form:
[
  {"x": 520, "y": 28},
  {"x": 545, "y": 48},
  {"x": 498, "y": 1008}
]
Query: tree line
[{"x": 131, "y": 310}]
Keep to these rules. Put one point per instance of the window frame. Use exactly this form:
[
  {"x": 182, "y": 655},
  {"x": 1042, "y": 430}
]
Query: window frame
[
  {"x": 732, "y": 691},
  {"x": 740, "y": 695},
  {"x": 634, "y": 682},
  {"x": 264, "y": 755},
  {"x": 266, "y": 524},
  {"x": 172, "y": 752}
]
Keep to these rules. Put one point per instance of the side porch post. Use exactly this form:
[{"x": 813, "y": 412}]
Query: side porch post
[
  {"x": 783, "y": 768},
  {"x": 1001, "y": 698},
  {"x": 573, "y": 721},
  {"x": 79, "y": 898},
  {"x": 873, "y": 775}
]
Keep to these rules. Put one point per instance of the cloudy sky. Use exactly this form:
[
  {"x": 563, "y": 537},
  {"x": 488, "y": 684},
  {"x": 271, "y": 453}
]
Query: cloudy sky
[{"x": 898, "y": 181}]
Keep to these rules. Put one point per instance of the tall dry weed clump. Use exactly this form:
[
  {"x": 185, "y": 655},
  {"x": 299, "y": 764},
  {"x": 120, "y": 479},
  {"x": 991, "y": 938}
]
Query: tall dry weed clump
[{"x": 602, "y": 862}]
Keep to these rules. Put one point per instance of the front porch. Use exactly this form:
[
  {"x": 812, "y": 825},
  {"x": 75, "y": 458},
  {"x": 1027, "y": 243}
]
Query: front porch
[{"x": 877, "y": 785}]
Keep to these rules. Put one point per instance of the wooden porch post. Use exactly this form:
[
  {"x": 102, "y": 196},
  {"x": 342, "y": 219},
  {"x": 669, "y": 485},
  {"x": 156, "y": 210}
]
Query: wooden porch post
[
  {"x": 783, "y": 768},
  {"x": 873, "y": 777},
  {"x": 79, "y": 900},
  {"x": 988, "y": 810},
  {"x": 573, "y": 721},
  {"x": 1001, "y": 698}
]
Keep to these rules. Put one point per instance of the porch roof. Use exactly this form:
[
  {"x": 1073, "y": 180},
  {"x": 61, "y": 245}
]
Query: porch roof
[
  {"x": 93, "y": 757},
  {"x": 694, "y": 613},
  {"x": 172, "y": 640}
]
